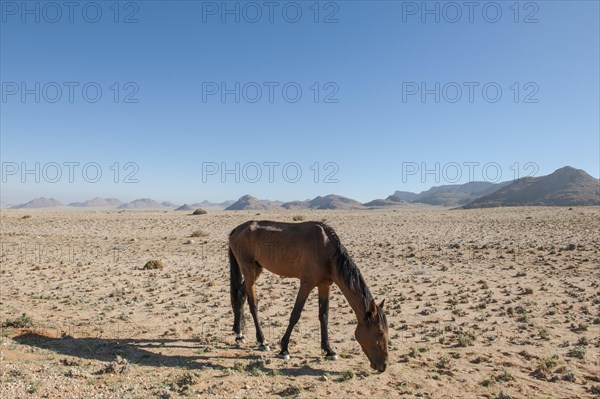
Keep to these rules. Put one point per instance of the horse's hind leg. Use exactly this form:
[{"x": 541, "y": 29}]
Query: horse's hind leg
[
  {"x": 324, "y": 290},
  {"x": 238, "y": 296},
  {"x": 253, "y": 271}
]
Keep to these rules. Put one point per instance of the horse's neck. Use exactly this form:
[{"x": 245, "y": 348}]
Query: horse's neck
[{"x": 355, "y": 299}]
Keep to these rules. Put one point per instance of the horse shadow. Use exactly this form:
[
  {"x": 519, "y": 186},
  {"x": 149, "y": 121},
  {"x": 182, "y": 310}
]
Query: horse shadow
[{"x": 157, "y": 353}]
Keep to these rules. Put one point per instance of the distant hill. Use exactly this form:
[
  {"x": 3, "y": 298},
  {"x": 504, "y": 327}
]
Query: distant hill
[
  {"x": 458, "y": 194},
  {"x": 41, "y": 202},
  {"x": 169, "y": 204},
  {"x": 405, "y": 195},
  {"x": 333, "y": 201},
  {"x": 445, "y": 195},
  {"x": 565, "y": 187},
  {"x": 97, "y": 203},
  {"x": 213, "y": 205},
  {"x": 391, "y": 200},
  {"x": 142, "y": 203},
  {"x": 6, "y": 205},
  {"x": 248, "y": 202},
  {"x": 205, "y": 205}
]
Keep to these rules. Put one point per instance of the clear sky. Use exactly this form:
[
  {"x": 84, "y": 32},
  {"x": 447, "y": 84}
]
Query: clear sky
[{"x": 388, "y": 89}]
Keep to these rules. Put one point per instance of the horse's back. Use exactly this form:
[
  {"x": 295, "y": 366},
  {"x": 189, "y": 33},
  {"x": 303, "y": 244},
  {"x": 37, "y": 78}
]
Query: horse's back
[{"x": 287, "y": 249}]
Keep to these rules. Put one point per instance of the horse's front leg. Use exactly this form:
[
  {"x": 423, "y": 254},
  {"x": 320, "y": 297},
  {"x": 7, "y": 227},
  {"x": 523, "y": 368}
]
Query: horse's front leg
[
  {"x": 324, "y": 291},
  {"x": 294, "y": 317}
]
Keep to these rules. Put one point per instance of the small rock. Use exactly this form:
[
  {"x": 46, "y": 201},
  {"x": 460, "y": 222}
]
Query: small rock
[{"x": 153, "y": 265}]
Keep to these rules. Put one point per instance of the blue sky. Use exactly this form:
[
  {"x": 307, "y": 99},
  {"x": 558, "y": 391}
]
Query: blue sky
[{"x": 366, "y": 126}]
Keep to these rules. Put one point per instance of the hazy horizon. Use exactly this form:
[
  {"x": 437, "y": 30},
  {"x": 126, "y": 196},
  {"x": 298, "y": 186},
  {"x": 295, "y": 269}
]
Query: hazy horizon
[{"x": 192, "y": 201}]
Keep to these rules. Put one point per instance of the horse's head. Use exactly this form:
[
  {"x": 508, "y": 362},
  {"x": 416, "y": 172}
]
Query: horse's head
[{"x": 372, "y": 335}]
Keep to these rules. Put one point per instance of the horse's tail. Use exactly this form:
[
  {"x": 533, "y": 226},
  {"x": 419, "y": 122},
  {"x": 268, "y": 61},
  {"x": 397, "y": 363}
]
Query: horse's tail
[{"x": 238, "y": 293}]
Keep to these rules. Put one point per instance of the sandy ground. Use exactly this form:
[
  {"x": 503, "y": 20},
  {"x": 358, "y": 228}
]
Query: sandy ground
[{"x": 500, "y": 303}]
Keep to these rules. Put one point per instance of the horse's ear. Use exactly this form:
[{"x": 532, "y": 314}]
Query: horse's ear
[
  {"x": 382, "y": 303},
  {"x": 373, "y": 309}
]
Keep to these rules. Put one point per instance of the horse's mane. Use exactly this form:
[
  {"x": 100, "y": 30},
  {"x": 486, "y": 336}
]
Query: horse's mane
[{"x": 350, "y": 273}]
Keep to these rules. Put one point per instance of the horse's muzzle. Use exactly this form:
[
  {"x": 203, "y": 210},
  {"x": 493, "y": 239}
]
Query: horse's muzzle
[{"x": 381, "y": 368}]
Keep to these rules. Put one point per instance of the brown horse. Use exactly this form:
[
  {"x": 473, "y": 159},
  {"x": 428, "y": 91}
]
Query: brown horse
[{"x": 313, "y": 253}]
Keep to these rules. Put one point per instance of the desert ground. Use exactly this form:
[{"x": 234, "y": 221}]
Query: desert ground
[{"x": 486, "y": 303}]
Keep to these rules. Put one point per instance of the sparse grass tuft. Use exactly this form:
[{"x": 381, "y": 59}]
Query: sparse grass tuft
[
  {"x": 290, "y": 391},
  {"x": 34, "y": 386},
  {"x": 488, "y": 382},
  {"x": 466, "y": 339},
  {"x": 443, "y": 362},
  {"x": 569, "y": 376},
  {"x": 548, "y": 363},
  {"x": 256, "y": 367},
  {"x": 199, "y": 211},
  {"x": 577, "y": 352},
  {"x": 347, "y": 375},
  {"x": 502, "y": 395},
  {"x": 505, "y": 376},
  {"x": 580, "y": 327},
  {"x": 238, "y": 366},
  {"x": 594, "y": 389},
  {"x": 22, "y": 321},
  {"x": 183, "y": 383}
]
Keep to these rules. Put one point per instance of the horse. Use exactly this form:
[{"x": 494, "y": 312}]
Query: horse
[{"x": 313, "y": 253}]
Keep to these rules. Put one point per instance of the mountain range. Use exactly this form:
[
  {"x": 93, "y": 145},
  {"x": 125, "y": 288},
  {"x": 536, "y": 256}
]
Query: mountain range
[
  {"x": 567, "y": 186},
  {"x": 97, "y": 203}
]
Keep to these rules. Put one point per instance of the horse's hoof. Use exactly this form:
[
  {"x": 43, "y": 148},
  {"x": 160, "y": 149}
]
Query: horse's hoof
[
  {"x": 264, "y": 348},
  {"x": 240, "y": 340},
  {"x": 284, "y": 355},
  {"x": 331, "y": 356}
]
